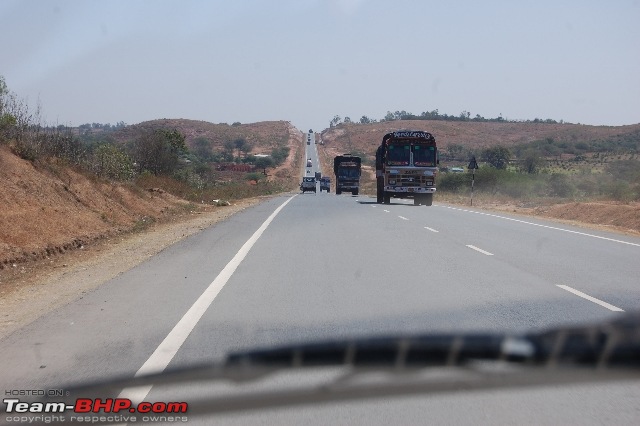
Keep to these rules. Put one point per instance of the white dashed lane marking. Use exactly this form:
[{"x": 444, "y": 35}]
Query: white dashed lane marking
[
  {"x": 479, "y": 250},
  {"x": 590, "y": 298}
]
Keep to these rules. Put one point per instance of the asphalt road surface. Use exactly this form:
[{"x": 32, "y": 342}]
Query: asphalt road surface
[{"x": 306, "y": 267}]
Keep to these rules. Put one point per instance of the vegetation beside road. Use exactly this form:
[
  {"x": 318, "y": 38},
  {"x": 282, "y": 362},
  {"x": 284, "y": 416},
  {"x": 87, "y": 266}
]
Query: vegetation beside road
[
  {"x": 64, "y": 188},
  {"x": 530, "y": 166}
]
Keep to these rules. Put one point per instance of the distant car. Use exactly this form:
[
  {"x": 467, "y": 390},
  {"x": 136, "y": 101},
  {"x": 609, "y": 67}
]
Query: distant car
[
  {"x": 325, "y": 184},
  {"x": 309, "y": 163},
  {"x": 308, "y": 184}
]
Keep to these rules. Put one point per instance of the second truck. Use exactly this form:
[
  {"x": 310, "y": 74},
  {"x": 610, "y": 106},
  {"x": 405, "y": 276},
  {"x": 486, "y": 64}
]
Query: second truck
[
  {"x": 347, "y": 170},
  {"x": 406, "y": 166}
]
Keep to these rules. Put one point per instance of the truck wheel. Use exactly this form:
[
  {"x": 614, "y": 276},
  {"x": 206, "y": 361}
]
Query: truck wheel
[
  {"x": 387, "y": 198},
  {"x": 423, "y": 199},
  {"x": 338, "y": 191},
  {"x": 354, "y": 192},
  {"x": 428, "y": 199},
  {"x": 380, "y": 190}
]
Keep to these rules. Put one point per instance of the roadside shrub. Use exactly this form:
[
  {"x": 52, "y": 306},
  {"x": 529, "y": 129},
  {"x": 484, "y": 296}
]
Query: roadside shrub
[
  {"x": 559, "y": 185},
  {"x": 518, "y": 185},
  {"x": 109, "y": 162},
  {"x": 487, "y": 179},
  {"x": 619, "y": 191},
  {"x": 453, "y": 182}
]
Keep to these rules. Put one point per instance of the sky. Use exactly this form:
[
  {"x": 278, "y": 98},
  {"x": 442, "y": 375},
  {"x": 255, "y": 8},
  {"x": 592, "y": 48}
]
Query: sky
[{"x": 306, "y": 61}]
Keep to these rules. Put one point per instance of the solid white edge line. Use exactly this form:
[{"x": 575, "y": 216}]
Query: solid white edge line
[
  {"x": 165, "y": 352},
  {"x": 403, "y": 218},
  {"x": 590, "y": 298},
  {"x": 542, "y": 226},
  {"x": 430, "y": 229},
  {"x": 480, "y": 250}
]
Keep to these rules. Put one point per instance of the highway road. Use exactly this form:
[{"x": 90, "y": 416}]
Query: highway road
[{"x": 305, "y": 267}]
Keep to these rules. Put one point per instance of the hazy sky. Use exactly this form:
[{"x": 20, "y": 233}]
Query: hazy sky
[{"x": 306, "y": 61}]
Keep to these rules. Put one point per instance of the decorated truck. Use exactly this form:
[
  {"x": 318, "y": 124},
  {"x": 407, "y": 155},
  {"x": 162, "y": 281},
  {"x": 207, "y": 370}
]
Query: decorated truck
[
  {"x": 346, "y": 167},
  {"x": 406, "y": 166}
]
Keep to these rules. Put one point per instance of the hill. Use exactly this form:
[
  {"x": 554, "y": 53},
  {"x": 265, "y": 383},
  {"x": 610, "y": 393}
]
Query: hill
[
  {"x": 50, "y": 206},
  {"x": 262, "y": 136},
  {"x": 364, "y": 138},
  {"x": 585, "y": 158}
]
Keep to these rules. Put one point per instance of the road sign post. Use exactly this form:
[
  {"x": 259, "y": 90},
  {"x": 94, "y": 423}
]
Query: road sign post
[{"x": 473, "y": 165}]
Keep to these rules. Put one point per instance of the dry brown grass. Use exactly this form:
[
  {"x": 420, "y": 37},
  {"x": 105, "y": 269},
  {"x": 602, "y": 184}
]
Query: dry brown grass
[
  {"x": 49, "y": 208},
  {"x": 364, "y": 139}
]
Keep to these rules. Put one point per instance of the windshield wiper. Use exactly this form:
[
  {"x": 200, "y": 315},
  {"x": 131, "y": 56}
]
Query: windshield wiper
[{"x": 405, "y": 365}]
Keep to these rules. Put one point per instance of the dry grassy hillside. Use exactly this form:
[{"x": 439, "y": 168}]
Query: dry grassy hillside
[
  {"x": 363, "y": 139},
  {"x": 263, "y": 136},
  {"x": 51, "y": 208},
  {"x": 48, "y": 207}
]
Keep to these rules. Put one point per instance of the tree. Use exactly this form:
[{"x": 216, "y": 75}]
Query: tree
[
  {"x": 255, "y": 177},
  {"x": 159, "y": 151},
  {"x": 497, "y": 156},
  {"x": 15, "y": 117},
  {"x": 278, "y": 155},
  {"x": 240, "y": 144},
  {"x": 532, "y": 162},
  {"x": 336, "y": 120},
  {"x": 227, "y": 150},
  {"x": 246, "y": 149},
  {"x": 347, "y": 120},
  {"x": 365, "y": 120},
  {"x": 202, "y": 148},
  {"x": 263, "y": 163},
  {"x": 110, "y": 162}
]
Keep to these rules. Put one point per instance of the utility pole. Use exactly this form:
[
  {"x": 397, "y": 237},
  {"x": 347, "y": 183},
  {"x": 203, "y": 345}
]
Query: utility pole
[{"x": 473, "y": 166}]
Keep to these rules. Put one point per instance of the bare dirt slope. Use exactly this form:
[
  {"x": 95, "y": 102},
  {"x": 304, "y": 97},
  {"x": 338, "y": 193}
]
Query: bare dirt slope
[{"x": 50, "y": 208}]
